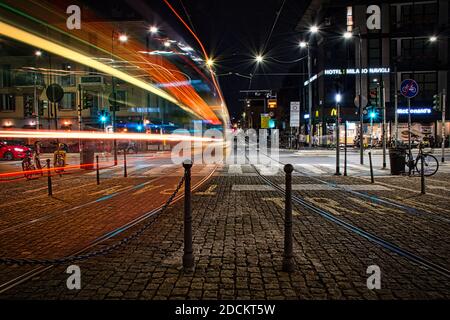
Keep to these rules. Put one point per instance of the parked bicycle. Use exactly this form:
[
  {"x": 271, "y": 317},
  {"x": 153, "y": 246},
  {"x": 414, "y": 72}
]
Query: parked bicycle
[
  {"x": 430, "y": 163},
  {"x": 31, "y": 165}
]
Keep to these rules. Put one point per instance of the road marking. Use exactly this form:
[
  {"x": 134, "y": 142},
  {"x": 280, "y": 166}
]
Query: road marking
[
  {"x": 235, "y": 169},
  {"x": 209, "y": 191},
  {"x": 309, "y": 167},
  {"x": 280, "y": 202},
  {"x": 147, "y": 188},
  {"x": 111, "y": 190}
]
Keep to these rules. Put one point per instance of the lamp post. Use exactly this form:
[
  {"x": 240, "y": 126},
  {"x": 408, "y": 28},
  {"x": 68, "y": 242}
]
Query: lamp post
[
  {"x": 338, "y": 99},
  {"x": 37, "y": 54},
  {"x": 122, "y": 38},
  {"x": 304, "y": 44}
]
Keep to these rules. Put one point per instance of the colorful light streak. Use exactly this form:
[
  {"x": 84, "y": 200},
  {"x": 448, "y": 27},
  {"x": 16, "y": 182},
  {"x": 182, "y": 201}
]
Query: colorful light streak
[
  {"x": 52, "y": 134},
  {"x": 187, "y": 97}
]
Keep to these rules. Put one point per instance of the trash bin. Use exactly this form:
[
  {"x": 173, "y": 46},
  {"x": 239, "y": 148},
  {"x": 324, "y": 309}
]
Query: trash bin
[
  {"x": 397, "y": 160},
  {"x": 87, "y": 156}
]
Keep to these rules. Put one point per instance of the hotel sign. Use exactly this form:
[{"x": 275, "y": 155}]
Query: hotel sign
[{"x": 329, "y": 72}]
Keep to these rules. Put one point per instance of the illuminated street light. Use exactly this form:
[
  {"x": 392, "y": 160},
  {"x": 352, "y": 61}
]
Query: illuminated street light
[
  {"x": 314, "y": 29},
  {"x": 38, "y": 53},
  {"x": 210, "y": 62},
  {"x": 338, "y": 97},
  {"x": 303, "y": 44},
  {"x": 259, "y": 58},
  {"x": 167, "y": 44},
  {"x": 123, "y": 38},
  {"x": 348, "y": 35},
  {"x": 433, "y": 39},
  {"x": 154, "y": 29}
]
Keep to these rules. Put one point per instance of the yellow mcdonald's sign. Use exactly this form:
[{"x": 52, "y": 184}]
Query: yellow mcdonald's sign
[{"x": 333, "y": 112}]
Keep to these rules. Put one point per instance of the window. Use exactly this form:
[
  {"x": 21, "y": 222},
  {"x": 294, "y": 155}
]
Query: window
[
  {"x": 7, "y": 102},
  {"x": 5, "y": 79},
  {"x": 423, "y": 14},
  {"x": 67, "y": 80},
  {"x": 374, "y": 50},
  {"x": 418, "y": 49},
  {"x": 68, "y": 101},
  {"x": 121, "y": 96}
]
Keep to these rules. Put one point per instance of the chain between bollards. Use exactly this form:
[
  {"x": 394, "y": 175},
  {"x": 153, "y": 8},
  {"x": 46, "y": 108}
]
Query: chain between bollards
[
  {"x": 49, "y": 179},
  {"x": 288, "y": 258},
  {"x": 125, "y": 163},
  {"x": 371, "y": 168},
  {"x": 188, "y": 256},
  {"x": 422, "y": 176},
  {"x": 98, "y": 169}
]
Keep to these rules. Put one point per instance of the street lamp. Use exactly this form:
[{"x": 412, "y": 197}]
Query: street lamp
[
  {"x": 210, "y": 62},
  {"x": 349, "y": 35},
  {"x": 338, "y": 99},
  {"x": 433, "y": 39},
  {"x": 153, "y": 29},
  {"x": 314, "y": 29},
  {"x": 38, "y": 53},
  {"x": 123, "y": 38},
  {"x": 259, "y": 58}
]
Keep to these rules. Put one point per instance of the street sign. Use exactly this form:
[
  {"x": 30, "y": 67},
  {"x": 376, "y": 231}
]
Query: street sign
[
  {"x": 409, "y": 88},
  {"x": 295, "y": 114},
  {"x": 265, "y": 121},
  {"x": 54, "y": 92},
  {"x": 363, "y": 101}
]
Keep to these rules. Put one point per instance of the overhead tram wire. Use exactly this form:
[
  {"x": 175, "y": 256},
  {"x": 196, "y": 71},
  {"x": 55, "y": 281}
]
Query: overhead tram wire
[{"x": 269, "y": 36}]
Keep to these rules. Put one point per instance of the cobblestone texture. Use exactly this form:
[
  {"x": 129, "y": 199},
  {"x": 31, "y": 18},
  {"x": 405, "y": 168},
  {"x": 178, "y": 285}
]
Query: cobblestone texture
[{"x": 238, "y": 247}]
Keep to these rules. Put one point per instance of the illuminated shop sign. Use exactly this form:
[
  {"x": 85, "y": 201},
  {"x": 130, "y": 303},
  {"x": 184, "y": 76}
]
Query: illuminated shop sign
[
  {"x": 334, "y": 72},
  {"x": 414, "y": 111}
]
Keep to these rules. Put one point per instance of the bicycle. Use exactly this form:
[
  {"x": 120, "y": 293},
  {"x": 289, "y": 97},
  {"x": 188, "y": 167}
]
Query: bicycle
[
  {"x": 31, "y": 167},
  {"x": 430, "y": 163}
]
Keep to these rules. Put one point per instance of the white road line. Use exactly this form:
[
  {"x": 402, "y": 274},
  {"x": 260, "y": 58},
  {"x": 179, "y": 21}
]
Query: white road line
[
  {"x": 235, "y": 169},
  {"x": 309, "y": 167}
]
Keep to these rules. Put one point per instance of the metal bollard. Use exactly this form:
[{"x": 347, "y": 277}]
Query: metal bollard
[
  {"x": 345, "y": 151},
  {"x": 188, "y": 256},
  {"x": 49, "y": 179},
  {"x": 125, "y": 163},
  {"x": 98, "y": 170},
  {"x": 371, "y": 168},
  {"x": 422, "y": 176},
  {"x": 288, "y": 258}
]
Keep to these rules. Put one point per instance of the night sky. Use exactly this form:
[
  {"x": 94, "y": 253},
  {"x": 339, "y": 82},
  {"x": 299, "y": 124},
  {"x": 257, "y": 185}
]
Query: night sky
[{"x": 235, "y": 31}]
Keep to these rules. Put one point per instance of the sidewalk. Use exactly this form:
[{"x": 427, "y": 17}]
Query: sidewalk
[{"x": 238, "y": 250}]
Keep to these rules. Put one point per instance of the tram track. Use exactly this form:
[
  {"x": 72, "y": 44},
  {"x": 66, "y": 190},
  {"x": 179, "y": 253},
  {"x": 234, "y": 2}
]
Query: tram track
[
  {"x": 359, "y": 231},
  {"x": 372, "y": 237}
]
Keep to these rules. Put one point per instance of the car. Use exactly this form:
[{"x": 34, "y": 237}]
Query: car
[{"x": 12, "y": 150}]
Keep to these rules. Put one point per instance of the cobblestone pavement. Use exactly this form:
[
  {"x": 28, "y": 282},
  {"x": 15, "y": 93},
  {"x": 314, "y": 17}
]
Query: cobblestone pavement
[
  {"x": 79, "y": 213},
  {"x": 238, "y": 247}
]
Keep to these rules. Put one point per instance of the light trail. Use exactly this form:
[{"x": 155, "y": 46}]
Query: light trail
[
  {"x": 33, "y": 40},
  {"x": 51, "y": 134}
]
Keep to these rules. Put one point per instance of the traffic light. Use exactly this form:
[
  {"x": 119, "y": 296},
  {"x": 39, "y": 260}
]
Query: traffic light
[
  {"x": 437, "y": 102},
  {"x": 88, "y": 100},
  {"x": 103, "y": 116}
]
